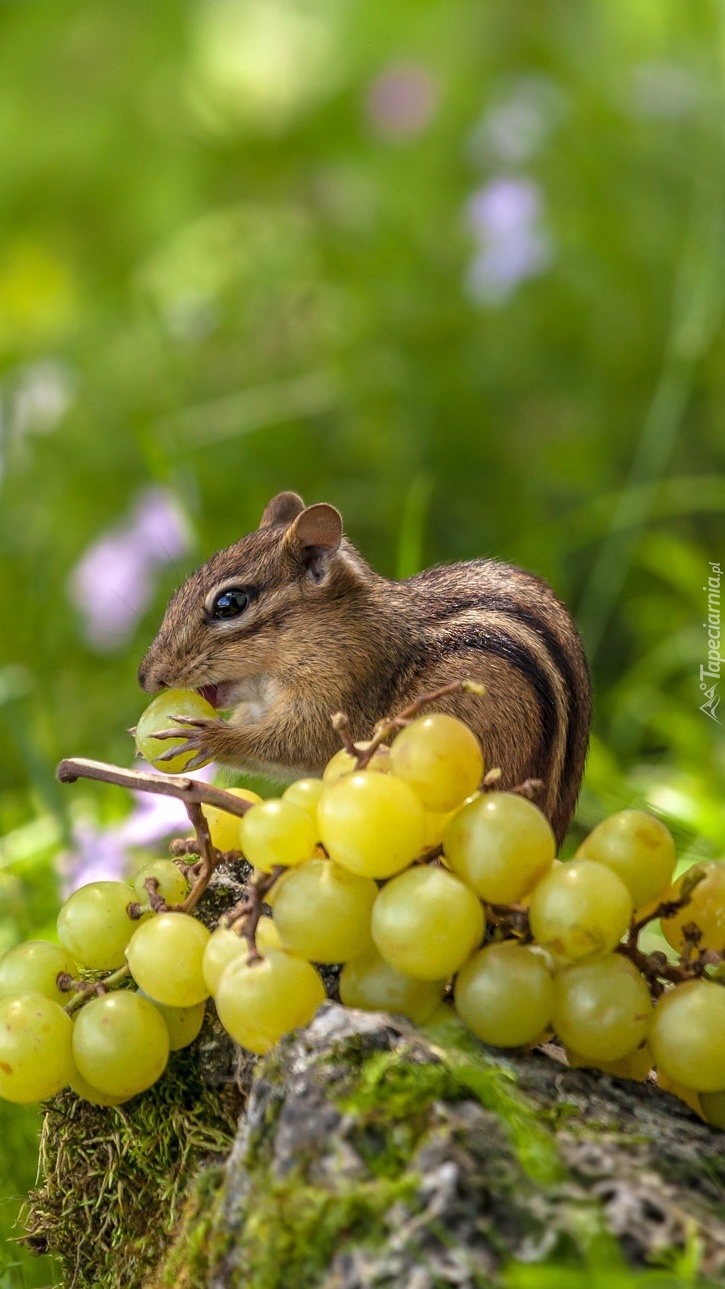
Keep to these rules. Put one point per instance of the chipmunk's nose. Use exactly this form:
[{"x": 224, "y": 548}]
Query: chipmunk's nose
[{"x": 149, "y": 681}]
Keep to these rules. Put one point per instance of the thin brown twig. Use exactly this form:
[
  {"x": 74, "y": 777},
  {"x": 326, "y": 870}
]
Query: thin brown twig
[
  {"x": 244, "y": 916},
  {"x": 654, "y": 966},
  {"x": 530, "y": 788},
  {"x": 385, "y": 728},
  {"x": 341, "y": 725},
  {"x": 258, "y": 888},
  {"x": 665, "y": 909},
  {"x": 208, "y": 855},
  {"x": 167, "y": 785}
]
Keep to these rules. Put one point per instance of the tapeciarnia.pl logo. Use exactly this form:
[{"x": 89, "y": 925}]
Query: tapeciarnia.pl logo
[{"x": 712, "y": 671}]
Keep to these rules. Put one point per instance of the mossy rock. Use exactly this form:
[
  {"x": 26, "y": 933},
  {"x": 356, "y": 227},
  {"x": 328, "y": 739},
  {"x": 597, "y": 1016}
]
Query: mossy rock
[{"x": 373, "y": 1155}]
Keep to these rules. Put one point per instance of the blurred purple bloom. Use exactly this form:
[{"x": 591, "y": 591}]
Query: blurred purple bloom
[
  {"x": 158, "y": 522},
  {"x": 97, "y": 856},
  {"x": 505, "y": 219},
  {"x": 401, "y": 101},
  {"x": 113, "y": 583}
]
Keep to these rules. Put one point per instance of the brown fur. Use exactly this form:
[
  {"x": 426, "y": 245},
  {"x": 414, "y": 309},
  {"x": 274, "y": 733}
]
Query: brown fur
[{"x": 323, "y": 632}]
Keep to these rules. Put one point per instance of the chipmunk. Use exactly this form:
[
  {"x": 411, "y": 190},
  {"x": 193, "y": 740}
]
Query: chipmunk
[{"x": 290, "y": 624}]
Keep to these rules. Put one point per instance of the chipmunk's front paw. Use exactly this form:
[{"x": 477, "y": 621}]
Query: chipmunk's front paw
[{"x": 205, "y": 738}]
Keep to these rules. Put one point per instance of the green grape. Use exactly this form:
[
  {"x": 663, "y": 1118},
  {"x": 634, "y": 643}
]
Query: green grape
[
  {"x": 305, "y": 793},
  {"x": 343, "y": 763},
  {"x": 505, "y": 994},
  {"x": 165, "y": 956},
  {"x": 171, "y": 884},
  {"x": 369, "y": 983},
  {"x": 33, "y": 968},
  {"x": 322, "y": 911},
  {"x": 435, "y": 827},
  {"x": 277, "y": 832},
  {"x": 440, "y": 758},
  {"x": 705, "y": 910},
  {"x": 713, "y": 1108},
  {"x": 223, "y": 827},
  {"x": 635, "y": 1065},
  {"x": 224, "y": 944},
  {"x": 84, "y": 1089},
  {"x": 602, "y": 1009},
  {"x": 94, "y": 926},
  {"x": 638, "y": 848},
  {"x": 258, "y": 1002},
  {"x": 690, "y": 1098},
  {"x": 500, "y": 844},
  {"x": 372, "y": 824},
  {"x": 159, "y": 716},
  {"x": 183, "y": 1023},
  {"x": 579, "y": 910},
  {"x": 35, "y": 1048},
  {"x": 426, "y": 923},
  {"x": 120, "y": 1042},
  {"x": 688, "y": 1035}
]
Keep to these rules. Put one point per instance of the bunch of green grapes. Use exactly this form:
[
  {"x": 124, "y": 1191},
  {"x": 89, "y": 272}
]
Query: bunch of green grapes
[
  {"x": 58, "y": 1028},
  {"x": 427, "y": 888}
]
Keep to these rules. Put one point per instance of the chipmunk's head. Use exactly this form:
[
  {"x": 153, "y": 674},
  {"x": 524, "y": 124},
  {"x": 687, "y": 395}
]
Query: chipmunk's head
[{"x": 252, "y": 607}]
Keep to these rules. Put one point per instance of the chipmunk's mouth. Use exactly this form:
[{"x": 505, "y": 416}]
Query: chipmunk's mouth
[
  {"x": 227, "y": 694},
  {"x": 219, "y": 696}
]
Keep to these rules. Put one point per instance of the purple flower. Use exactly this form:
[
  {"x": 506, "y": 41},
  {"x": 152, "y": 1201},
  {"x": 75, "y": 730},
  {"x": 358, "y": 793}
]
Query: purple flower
[
  {"x": 97, "y": 856},
  {"x": 113, "y": 583},
  {"x": 401, "y": 102},
  {"x": 505, "y": 219}
]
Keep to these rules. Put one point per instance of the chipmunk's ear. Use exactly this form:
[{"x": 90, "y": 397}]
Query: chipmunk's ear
[
  {"x": 315, "y": 535},
  {"x": 282, "y": 509}
]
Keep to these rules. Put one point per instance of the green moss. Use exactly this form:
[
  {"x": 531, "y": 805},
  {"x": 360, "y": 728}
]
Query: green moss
[
  {"x": 472, "y": 1068},
  {"x": 115, "y": 1179},
  {"x": 292, "y": 1229},
  {"x": 392, "y": 1101},
  {"x": 186, "y": 1264}
]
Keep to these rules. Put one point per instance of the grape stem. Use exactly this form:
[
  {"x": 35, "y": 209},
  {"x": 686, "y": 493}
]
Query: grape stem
[
  {"x": 155, "y": 901},
  {"x": 529, "y": 788},
  {"x": 665, "y": 909},
  {"x": 85, "y": 989},
  {"x": 244, "y": 917},
  {"x": 385, "y": 728},
  {"x": 513, "y": 918},
  {"x": 655, "y": 966},
  {"x": 208, "y": 855}
]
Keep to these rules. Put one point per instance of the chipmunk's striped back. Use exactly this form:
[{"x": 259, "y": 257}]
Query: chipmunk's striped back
[{"x": 502, "y": 625}]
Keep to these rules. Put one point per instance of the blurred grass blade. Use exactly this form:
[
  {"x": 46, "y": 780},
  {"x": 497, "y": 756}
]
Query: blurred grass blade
[{"x": 411, "y": 540}]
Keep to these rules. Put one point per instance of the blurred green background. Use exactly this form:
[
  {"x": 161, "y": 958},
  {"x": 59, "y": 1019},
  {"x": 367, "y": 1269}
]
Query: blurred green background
[{"x": 456, "y": 267}]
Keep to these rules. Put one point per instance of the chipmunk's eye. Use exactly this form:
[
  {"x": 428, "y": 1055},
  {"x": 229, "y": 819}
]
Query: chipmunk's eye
[{"x": 230, "y": 603}]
